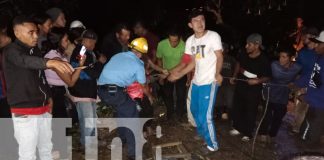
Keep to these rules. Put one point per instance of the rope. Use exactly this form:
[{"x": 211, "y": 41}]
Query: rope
[
  {"x": 264, "y": 84},
  {"x": 267, "y": 85},
  {"x": 263, "y": 116}
]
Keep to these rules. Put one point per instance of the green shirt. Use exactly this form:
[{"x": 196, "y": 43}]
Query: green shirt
[{"x": 170, "y": 56}]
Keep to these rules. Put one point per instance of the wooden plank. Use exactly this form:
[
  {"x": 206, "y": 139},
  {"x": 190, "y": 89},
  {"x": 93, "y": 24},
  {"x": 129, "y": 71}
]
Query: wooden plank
[
  {"x": 178, "y": 155},
  {"x": 167, "y": 144}
]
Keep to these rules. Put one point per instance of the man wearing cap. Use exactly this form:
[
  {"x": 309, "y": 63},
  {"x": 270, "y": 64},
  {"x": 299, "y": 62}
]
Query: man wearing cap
[
  {"x": 84, "y": 92},
  {"x": 122, "y": 70},
  {"x": 306, "y": 58},
  {"x": 313, "y": 124},
  {"x": 254, "y": 68}
]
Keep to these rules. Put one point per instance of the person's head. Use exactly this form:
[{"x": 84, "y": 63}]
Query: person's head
[
  {"x": 59, "y": 39},
  {"x": 4, "y": 39},
  {"x": 89, "y": 39},
  {"x": 253, "y": 43},
  {"x": 299, "y": 22},
  {"x": 196, "y": 21},
  {"x": 25, "y": 30},
  {"x": 310, "y": 32},
  {"x": 74, "y": 35},
  {"x": 286, "y": 55},
  {"x": 44, "y": 23},
  {"x": 319, "y": 47},
  {"x": 174, "y": 37},
  {"x": 77, "y": 24},
  {"x": 57, "y": 16},
  {"x": 122, "y": 33},
  {"x": 140, "y": 28},
  {"x": 139, "y": 46}
]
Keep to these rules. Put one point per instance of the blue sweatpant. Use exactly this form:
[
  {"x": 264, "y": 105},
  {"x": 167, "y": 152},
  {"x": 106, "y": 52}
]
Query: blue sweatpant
[{"x": 202, "y": 107}]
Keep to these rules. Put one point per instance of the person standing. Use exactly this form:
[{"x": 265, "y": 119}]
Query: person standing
[
  {"x": 254, "y": 67},
  {"x": 203, "y": 52},
  {"x": 28, "y": 92},
  {"x": 169, "y": 54},
  {"x": 121, "y": 71},
  {"x": 284, "y": 72},
  {"x": 84, "y": 92},
  {"x": 313, "y": 124}
]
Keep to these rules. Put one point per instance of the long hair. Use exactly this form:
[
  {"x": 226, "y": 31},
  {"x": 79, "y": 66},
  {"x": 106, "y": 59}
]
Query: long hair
[{"x": 54, "y": 40}]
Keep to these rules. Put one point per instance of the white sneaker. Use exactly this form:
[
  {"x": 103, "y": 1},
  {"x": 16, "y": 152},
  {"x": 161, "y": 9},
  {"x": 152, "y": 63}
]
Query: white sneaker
[
  {"x": 212, "y": 149},
  {"x": 245, "y": 139},
  {"x": 234, "y": 132}
]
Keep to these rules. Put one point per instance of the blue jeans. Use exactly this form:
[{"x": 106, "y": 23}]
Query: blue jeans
[
  {"x": 125, "y": 108},
  {"x": 87, "y": 117}
]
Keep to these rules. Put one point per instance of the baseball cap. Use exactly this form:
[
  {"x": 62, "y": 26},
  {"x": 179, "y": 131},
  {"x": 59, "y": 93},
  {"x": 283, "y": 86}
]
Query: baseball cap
[
  {"x": 319, "y": 39},
  {"x": 255, "y": 38},
  {"x": 77, "y": 24}
]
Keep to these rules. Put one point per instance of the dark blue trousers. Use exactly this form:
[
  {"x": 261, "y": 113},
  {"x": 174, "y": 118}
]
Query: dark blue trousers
[{"x": 125, "y": 107}]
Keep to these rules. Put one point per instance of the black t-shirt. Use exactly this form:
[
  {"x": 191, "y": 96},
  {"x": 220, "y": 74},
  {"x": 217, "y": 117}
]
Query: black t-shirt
[
  {"x": 250, "y": 67},
  {"x": 228, "y": 68}
]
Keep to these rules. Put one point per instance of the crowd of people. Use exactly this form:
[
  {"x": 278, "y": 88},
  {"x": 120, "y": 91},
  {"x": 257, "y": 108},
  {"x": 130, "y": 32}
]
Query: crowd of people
[{"x": 47, "y": 62}]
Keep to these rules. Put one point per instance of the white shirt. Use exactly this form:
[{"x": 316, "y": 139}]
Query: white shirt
[{"x": 204, "y": 50}]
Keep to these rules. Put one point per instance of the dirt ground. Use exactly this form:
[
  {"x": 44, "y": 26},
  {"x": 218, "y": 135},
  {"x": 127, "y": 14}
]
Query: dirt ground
[{"x": 231, "y": 148}]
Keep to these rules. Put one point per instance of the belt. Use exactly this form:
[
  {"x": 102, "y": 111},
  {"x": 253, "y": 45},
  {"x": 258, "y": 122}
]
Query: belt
[{"x": 111, "y": 87}]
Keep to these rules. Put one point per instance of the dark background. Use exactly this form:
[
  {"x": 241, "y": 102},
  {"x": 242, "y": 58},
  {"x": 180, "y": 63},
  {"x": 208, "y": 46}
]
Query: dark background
[{"x": 102, "y": 15}]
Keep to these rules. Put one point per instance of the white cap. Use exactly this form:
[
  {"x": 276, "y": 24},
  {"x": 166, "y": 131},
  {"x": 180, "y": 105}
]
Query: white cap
[
  {"x": 320, "y": 38},
  {"x": 77, "y": 24}
]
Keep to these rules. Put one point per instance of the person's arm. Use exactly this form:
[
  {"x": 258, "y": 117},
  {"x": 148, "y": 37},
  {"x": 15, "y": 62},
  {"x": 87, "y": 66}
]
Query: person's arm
[
  {"x": 235, "y": 73},
  {"x": 95, "y": 70},
  {"x": 147, "y": 92},
  {"x": 33, "y": 62},
  {"x": 219, "y": 64},
  {"x": 156, "y": 67},
  {"x": 183, "y": 70},
  {"x": 256, "y": 81},
  {"x": 69, "y": 79}
]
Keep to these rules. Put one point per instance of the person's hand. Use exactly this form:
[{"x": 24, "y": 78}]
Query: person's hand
[
  {"x": 151, "y": 99},
  {"x": 163, "y": 76},
  {"x": 102, "y": 58},
  {"x": 173, "y": 77},
  {"x": 165, "y": 72},
  {"x": 82, "y": 60},
  {"x": 232, "y": 81},
  {"x": 61, "y": 66},
  {"x": 253, "y": 81},
  {"x": 219, "y": 79}
]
